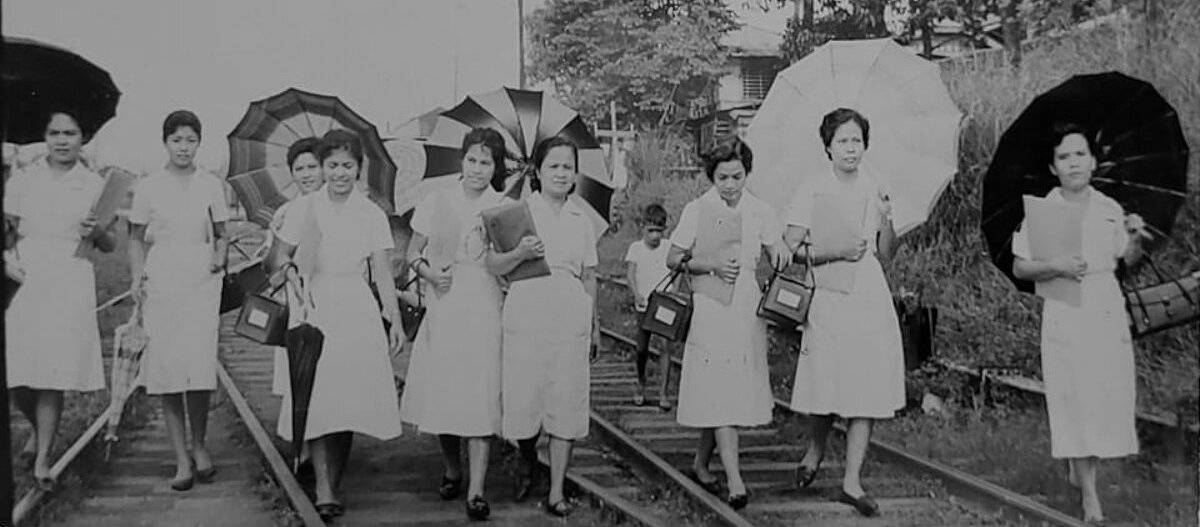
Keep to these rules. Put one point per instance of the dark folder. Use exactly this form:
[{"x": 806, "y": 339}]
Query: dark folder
[{"x": 506, "y": 225}]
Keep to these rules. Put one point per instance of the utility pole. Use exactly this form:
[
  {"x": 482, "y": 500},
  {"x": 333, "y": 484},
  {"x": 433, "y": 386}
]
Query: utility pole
[{"x": 521, "y": 41}]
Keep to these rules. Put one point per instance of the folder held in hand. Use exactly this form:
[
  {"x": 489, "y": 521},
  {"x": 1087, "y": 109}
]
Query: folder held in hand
[
  {"x": 505, "y": 225},
  {"x": 718, "y": 239},
  {"x": 116, "y": 189},
  {"x": 1055, "y": 230}
]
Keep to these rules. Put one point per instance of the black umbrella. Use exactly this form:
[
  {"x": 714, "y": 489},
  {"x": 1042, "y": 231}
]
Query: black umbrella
[
  {"x": 39, "y": 78},
  {"x": 304, "y": 343},
  {"x": 1142, "y": 157}
]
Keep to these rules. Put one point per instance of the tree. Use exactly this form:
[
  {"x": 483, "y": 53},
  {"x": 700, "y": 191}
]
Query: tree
[{"x": 647, "y": 56}]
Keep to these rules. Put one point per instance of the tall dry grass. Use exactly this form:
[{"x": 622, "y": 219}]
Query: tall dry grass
[{"x": 984, "y": 321}]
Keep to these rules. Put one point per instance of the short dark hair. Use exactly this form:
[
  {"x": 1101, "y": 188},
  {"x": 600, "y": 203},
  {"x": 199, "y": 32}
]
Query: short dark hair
[
  {"x": 654, "y": 215},
  {"x": 335, "y": 140},
  {"x": 306, "y": 145},
  {"x": 495, "y": 144},
  {"x": 49, "y": 114},
  {"x": 1059, "y": 131},
  {"x": 179, "y": 119},
  {"x": 835, "y": 119},
  {"x": 543, "y": 149},
  {"x": 728, "y": 150}
]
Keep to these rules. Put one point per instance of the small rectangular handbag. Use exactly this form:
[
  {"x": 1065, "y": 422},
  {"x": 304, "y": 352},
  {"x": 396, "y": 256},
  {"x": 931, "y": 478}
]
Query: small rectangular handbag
[
  {"x": 263, "y": 318},
  {"x": 668, "y": 312},
  {"x": 1172, "y": 303},
  {"x": 786, "y": 299}
]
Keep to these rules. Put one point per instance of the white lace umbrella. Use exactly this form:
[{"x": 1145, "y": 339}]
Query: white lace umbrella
[{"x": 914, "y": 124}]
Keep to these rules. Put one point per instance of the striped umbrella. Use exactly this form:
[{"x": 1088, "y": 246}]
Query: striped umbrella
[
  {"x": 258, "y": 148},
  {"x": 525, "y": 118}
]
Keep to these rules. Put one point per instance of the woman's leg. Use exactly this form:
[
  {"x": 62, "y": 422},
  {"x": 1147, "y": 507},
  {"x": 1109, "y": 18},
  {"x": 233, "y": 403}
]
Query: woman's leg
[
  {"x": 451, "y": 456},
  {"x": 664, "y": 370},
  {"x": 818, "y": 433},
  {"x": 49, "y": 409},
  {"x": 643, "y": 353},
  {"x": 1085, "y": 472},
  {"x": 26, "y": 401},
  {"x": 560, "y": 457},
  {"x": 727, "y": 446},
  {"x": 477, "y": 454},
  {"x": 704, "y": 450},
  {"x": 197, "y": 413},
  {"x": 858, "y": 436},
  {"x": 323, "y": 460},
  {"x": 172, "y": 404},
  {"x": 343, "y": 443}
]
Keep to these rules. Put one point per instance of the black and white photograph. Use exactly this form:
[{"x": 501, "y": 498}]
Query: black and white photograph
[{"x": 662, "y": 263}]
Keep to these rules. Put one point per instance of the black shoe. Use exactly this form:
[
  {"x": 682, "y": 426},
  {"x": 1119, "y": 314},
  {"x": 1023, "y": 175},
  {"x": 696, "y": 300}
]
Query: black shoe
[
  {"x": 864, "y": 504},
  {"x": 306, "y": 473},
  {"x": 805, "y": 476},
  {"x": 329, "y": 511},
  {"x": 450, "y": 488},
  {"x": 738, "y": 501},
  {"x": 477, "y": 508},
  {"x": 183, "y": 484},
  {"x": 712, "y": 486},
  {"x": 562, "y": 509}
]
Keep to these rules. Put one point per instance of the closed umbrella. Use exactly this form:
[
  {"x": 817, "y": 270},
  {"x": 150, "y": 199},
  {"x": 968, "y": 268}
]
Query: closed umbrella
[
  {"x": 914, "y": 125},
  {"x": 129, "y": 342},
  {"x": 1141, "y": 162},
  {"x": 524, "y": 118},
  {"x": 304, "y": 343}
]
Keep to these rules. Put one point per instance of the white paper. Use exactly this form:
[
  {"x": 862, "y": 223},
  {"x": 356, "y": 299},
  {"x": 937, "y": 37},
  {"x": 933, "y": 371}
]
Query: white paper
[{"x": 664, "y": 315}]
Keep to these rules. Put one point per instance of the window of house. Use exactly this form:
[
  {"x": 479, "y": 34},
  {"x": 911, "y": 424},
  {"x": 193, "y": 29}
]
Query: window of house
[{"x": 757, "y": 76}]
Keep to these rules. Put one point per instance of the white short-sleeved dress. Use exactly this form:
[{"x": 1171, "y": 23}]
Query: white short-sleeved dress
[
  {"x": 453, "y": 381},
  {"x": 182, "y": 294},
  {"x": 51, "y": 337},
  {"x": 852, "y": 357},
  {"x": 725, "y": 379},
  {"x": 353, "y": 389},
  {"x": 547, "y": 325},
  {"x": 1087, "y": 353}
]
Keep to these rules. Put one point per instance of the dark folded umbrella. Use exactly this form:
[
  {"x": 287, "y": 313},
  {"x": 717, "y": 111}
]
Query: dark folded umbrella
[{"x": 304, "y": 343}]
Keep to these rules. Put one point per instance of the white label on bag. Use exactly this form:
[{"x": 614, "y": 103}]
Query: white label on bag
[
  {"x": 664, "y": 315},
  {"x": 258, "y": 318},
  {"x": 788, "y": 298}
]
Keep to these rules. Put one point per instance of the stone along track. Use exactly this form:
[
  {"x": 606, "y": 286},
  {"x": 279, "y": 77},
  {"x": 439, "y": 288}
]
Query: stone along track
[{"x": 910, "y": 490}]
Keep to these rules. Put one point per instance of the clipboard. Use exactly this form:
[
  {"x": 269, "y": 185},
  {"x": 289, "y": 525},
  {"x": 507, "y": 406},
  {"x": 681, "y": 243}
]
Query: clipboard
[
  {"x": 1055, "y": 229},
  {"x": 505, "y": 225},
  {"x": 719, "y": 239},
  {"x": 116, "y": 189},
  {"x": 837, "y": 225}
]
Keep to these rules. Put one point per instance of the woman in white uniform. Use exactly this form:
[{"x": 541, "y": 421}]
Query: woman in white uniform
[
  {"x": 352, "y": 390},
  {"x": 1087, "y": 353},
  {"x": 177, "y": 241},
  {"x": 52, "y": 343},
  {"x": 549, "y": 324},
  {"x": 725, "y": 382},
  {"x": 453, "y": 381},
  {"x": 852, "y": 358}
]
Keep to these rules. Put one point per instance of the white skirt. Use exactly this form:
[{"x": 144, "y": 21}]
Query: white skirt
[
  {"x": 51, "y": 337},
  {"x": 852, "y": 357},
  {"x": 182, "y": 321},
  {"x": 545, "y": 373},
  {"x": 353, "y": 390},
  {"x": 453, "y": 381}
]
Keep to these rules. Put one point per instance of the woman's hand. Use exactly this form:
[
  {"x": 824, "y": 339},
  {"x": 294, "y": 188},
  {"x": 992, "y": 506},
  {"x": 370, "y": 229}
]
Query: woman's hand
[
  {"x": 1136, "y": 227},
  {"x": 1072, "y": 267},
  {"x": 217, "y": 262},
  {"x": 441, "y": 278},
  {"x": 728, "y": 270},
  {"x": 855, "y": 253},
  {"x": 781, "y": 257},
  {"x": 87, "y": 227},
  {"x": 531, "y": 248},
  {"x": 396, "y": 336}
]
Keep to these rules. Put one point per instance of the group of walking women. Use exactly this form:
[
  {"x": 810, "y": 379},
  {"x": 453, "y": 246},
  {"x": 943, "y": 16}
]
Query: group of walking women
[{"x": 511, "y": 358}]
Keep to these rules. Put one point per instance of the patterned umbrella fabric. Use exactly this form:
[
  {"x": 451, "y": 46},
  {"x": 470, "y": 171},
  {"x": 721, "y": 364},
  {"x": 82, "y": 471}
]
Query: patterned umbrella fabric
[
  {"x": 914, "y": 124},
  {"x": 525, "y": 118},
  {"x": 38, "y": 77},
  {"x": 130, "y": 341},
  {"x": 258, "y": 149},
  {"x": 1142, "y": 157}
]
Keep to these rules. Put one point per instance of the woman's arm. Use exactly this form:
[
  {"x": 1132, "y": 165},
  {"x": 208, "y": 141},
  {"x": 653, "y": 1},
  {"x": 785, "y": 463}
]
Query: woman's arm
[
  {"x": 220, "y": 247},
  {"x": 137, "y": 255},
  {"x": 886, "y": 243},
  {"x": 590, "y": 286},
  {"x": 1042, "y": 270},
  {"x": 1135, "y": 227},
  {"x": 631, "y": 279},
  {"x": 11, "y": 224},
  {"x": 795, "y": 234},
  {"x": 503, "y": 263},
  {"x": 385, "y": 284}
]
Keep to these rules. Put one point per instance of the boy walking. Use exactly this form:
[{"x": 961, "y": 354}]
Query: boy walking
[{"x": 646, "y": 265}]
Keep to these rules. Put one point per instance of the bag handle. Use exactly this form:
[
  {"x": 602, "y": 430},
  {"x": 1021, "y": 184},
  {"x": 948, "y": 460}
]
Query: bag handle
[
  {"x": 808, "y": 260},
  {"x": 415, "y": 279},
  {"x": 681, "y": 270}
]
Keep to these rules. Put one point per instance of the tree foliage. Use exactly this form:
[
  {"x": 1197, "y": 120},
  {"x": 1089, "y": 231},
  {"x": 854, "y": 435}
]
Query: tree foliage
[{"x": 647, "y": 56}]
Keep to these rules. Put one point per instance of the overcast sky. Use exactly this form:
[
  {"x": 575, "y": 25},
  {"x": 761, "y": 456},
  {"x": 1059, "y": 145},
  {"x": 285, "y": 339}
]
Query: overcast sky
[{"x": 388, "y": 59}]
